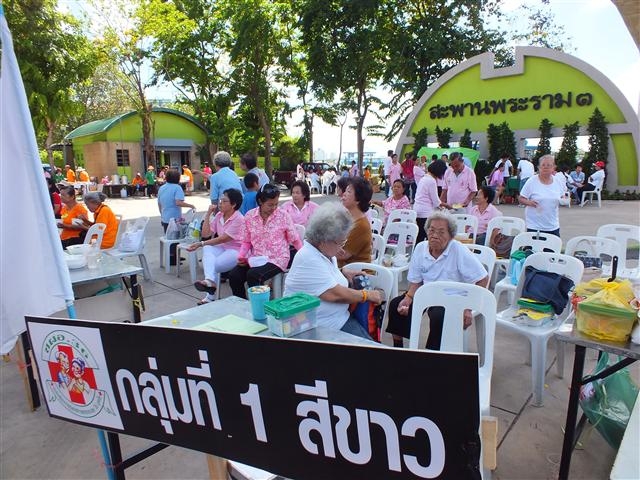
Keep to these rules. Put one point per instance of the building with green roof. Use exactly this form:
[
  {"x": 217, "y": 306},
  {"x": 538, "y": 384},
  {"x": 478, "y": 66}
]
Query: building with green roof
[{"x": 114, "y": 145}]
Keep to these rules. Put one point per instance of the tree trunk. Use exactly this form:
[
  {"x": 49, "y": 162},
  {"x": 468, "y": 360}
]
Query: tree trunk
[
  {"x": 266, "y": 131},
  {"x": 309, "y": 126},
  {"x": 147, "y": 135}
]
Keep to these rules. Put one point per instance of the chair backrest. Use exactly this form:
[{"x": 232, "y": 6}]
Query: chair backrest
[
  {"x": 559, "y": 263},
  {"x": 466, "y": 225},
  {"x": 405, "y": 234},
  {"x": 96, "y": 231},
  {"x": 381, "y": 277},
  {"x": 602, "y": 247},
  {"x": 455, "y": 298},
  {"x": 119, "y": 232},
  {"x": 539, "y": 242},
  {"x": 133, "y": 224},
  {"x": 402, "y": 215},
  {"x": 626, "y": 235},
  {"x": 376, "y": 225},
  {"x": 301, "y": 231},
  {"x": 373, "y": 213},
  {"x": 506, "y": 225},
  {"x": 377, "y": 248},
  {"x": 487, "y": 257}
]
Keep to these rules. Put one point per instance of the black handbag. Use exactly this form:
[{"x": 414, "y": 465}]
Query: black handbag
[{"x": 547, "y": 287}]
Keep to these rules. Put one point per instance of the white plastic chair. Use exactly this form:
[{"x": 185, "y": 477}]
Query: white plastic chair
[
  {"x": 406, "y": 234},
  {"x": 377, "y": 248},
  {"x": 373, "y": 213},
  {"x": 96, "y": 230},
  {"x": 507, "y": 226},
  {"x": 539, "y": 242},
  {"x": 326, "y": 186},
  {"x": 595, "y": 247},
  {"x": 137, "y": 224},
  {"x": 627, "y": 236},
  {"x": 376, "y": 226},
  {"x": 402, "y": 215},
  {"x": 539, "y": 336},
  {"x": 464, "y": 223},
  {"x": 192, "y": 260},
  {"x": 487, "y": 258},
  {"x": 597, "y": 191},
  {"x": 455, "y": 298}
]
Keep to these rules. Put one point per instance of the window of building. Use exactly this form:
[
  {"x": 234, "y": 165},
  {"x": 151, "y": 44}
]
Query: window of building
[{"x": 122, "y": 158}]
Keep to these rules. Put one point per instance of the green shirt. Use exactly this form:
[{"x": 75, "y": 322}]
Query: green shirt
[{"x": 150, "y": 176}]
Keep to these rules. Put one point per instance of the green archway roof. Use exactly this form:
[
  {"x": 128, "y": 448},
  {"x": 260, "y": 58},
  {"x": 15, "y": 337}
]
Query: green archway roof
[{"x": 99, "y": 126}]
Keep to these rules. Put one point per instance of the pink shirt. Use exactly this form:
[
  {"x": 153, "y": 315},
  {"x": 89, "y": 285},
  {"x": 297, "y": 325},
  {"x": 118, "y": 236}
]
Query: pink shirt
[
  {"x": 391, "y": 204},
  {"x": 299, "y": 216},
  {"x": 418, "y": 173},
  {"x": 395, "y": 171},
  {"x": 483, "y": 218},
  {"x": 459, "y": 186},
  {"x": 426, "y": 197},
  {"x": 497, "y": 179},
  {"x": 270, "y": 238},
  {"x": 234, "y": 227}
]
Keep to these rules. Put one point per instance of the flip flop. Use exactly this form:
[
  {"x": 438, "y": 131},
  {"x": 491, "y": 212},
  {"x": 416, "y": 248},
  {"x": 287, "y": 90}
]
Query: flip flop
[{"x": 205, "y": 286}]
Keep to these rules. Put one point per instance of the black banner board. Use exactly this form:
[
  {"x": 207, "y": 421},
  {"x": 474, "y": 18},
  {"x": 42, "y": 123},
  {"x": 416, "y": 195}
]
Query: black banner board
[{"x": 301, "y": 409}]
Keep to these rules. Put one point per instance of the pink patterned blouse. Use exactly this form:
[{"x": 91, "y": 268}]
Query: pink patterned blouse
[
  {"x": 391, "y": 204},
  {"x": 234, "y": 227},
  {"x": 299, "y": 216},
  {"x": 270, "y": 238}
]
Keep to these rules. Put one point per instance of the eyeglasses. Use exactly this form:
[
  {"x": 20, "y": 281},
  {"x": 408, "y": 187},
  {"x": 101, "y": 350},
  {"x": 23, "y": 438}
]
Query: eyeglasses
[
  {"x": 439, "y": 233},
  {"x": 340, "y": 244}
]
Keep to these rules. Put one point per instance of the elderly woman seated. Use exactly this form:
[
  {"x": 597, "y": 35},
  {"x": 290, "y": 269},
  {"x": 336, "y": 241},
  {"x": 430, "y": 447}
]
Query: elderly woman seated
[
  {"x": 315, "y": 270},
  {"x": 101, "y": 214},
  {"x": 438, "y": 258}
]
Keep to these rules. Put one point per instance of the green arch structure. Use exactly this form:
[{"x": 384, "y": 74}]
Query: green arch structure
[{"x": 543, "y": 83}]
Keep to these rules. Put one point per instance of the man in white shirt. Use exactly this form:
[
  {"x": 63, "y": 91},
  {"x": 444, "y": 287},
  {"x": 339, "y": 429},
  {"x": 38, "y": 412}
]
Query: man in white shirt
[
  {"x": 508, "y": 166},
  {"x": 525, "y": 171},
  {"x": 386, "y": 166},
  {"x": 596, "y": 181}
]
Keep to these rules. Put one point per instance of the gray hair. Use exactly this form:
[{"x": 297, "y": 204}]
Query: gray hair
[
  {"x": 451, "y": 222},
  {"x": 94, "y": 197},
  {"x": 329, "y": 223},
  {"x": 222, "y": 159},
  {"x": 548, "y": 156}
]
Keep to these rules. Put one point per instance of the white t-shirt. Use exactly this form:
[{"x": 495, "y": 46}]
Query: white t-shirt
[
  {"x": 507, "y": 167},
  {"x": 386, "y": 164},
  {"x": 597, "y": 178},
  {"x": 313, "y": 273},
  {"x": 526, "y": 169},
  {"x": 545, "y": 216},
  {"x": 455, "y": 264}
]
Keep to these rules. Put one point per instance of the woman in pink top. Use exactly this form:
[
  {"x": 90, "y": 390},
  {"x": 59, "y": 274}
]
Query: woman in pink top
[
  {"x": 484, "y": 211},
  {"x": 395, "y": 169},
  {"x": 300, "y": 207},
  {"x": 419, "y": 170},
  {"x": 496, "y": 180},
  {"x": 427, "y": 199},
  {"x": 269, "y": 232},
  {"x": 398, "y": 200},
  {"x": 220, "y": 254}
]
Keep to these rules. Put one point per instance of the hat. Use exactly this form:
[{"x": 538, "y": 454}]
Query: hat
[{"x": 599, "y": 164}]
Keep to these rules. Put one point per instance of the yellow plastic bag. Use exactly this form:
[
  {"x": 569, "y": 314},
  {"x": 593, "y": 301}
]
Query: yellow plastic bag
[{"x": 622, "y": 288}]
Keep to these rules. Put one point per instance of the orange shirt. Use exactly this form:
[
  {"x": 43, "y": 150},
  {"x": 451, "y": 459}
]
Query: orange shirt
[
  {"x": 84, "y": 176},
  {"x": 187, "y": 172},
  {"x": 105, "y": 215},
  {"x": 137, "y": 181},
  {"x": 67, "y": 216},
  {"x": 71, "y": 176}
]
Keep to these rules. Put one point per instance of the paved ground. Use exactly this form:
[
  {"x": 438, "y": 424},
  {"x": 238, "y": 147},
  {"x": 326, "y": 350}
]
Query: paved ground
[{"x": 34, "y": 446}]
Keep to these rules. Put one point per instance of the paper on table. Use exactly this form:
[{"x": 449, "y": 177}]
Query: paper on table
[{"x": 232, "y": 324}]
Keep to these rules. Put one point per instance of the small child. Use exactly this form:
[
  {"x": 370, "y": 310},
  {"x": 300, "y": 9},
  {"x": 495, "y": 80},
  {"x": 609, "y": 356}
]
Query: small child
[{"x": 252, "y": 183}]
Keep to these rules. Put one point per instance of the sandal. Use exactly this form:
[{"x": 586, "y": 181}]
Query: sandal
[{"x": 205, "y": 286}]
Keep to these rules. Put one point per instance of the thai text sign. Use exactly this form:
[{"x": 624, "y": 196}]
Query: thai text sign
[{"x": 297, "y": 408}]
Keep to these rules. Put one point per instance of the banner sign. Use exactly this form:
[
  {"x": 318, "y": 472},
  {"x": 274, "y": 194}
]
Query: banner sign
[{"x": 297, "y": 408}]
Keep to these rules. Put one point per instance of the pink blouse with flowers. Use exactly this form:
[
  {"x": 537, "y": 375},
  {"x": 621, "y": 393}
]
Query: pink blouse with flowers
[
  {"x": 234, "y": 227},
  {"x": 270, "y": 238},
  {"x": 391, "y": 204},
  {"x": 299, "y": 216}
]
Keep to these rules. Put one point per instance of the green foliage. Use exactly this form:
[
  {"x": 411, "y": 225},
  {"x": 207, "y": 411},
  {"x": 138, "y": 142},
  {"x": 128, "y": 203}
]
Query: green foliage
[
  {"x": 483, "y": 169},
  {"x": 598, "y": 141},
  {"x": 544, "y": 146},
  {"x": 568, "y": 150},
  {"x": 542, "y": 31},
  {"x": 507, "y": 141},
  {"x": 493, "y": 139},
  {"x": 501, "y": 141},
  {"x": 419, "y": 139},
  {"x": 58, "y": 158},
  {"x": 291, "y": 153},
  {"x": 465, "y": 139},
  {"x": 443, "y": 136}
]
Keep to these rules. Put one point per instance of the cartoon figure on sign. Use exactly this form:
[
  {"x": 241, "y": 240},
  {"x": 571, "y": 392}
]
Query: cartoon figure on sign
[
  {"x": 63, "y": 373},
  {"x": 77, "y": 384}
]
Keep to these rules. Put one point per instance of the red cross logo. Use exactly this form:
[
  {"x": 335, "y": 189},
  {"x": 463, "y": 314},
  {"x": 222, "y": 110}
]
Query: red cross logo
[{"x": 63, "y": 372}]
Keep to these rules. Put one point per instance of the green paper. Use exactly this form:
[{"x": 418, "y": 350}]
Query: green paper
[{"x": 232, "y": 324}]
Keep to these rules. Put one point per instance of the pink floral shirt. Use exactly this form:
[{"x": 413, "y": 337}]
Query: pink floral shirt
[
  {"x": 395, "y": 172},
  {"x": 234, "y": 227},
  {"x": 299, "y": 216},
  {"x": 391, "y": 204},
  {"x": 270, "y": 238}
]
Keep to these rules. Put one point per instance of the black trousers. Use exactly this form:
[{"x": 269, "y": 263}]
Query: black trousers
[
  {"x": 401, "y": 324},
  {"x": 253, "y": 276},
  {"x": 422, "y": 233},
  {"x": 587, "y": 188}
]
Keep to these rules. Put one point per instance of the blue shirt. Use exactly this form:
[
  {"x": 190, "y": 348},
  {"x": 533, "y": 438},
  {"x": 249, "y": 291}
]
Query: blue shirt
[
  {"x": 222, "y": 180},
  {"x": 167, "y": 196},
  {"x": 248, "y": 202}
]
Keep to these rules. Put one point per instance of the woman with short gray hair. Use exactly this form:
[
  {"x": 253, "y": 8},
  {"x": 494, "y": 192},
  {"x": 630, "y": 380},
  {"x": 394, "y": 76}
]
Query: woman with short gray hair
[
  {"x": 101, "y": 214},
  {"x": 315, "y": 270},
  {"x": 451, "y": 222}
]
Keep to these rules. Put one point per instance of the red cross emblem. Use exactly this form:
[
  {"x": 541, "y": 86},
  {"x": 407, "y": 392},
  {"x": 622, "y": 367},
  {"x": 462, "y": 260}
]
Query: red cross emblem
[{"x": 72, "y": 374}]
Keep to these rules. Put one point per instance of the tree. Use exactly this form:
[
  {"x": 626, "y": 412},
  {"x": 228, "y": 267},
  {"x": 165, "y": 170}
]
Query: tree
[
  {"x": 544, "y": 145},
  {"x": 443, "y": 136},
  {"x": 465, "y": 139},
  {"x": 598, "y": 140},
  {"x": 501, "y": 141},
  {"x": 54, "y": 57},
  {"x": 542, "y": 29},
  {"x": 420, "y": 139},
  {"x": 568, "y": 150},
  {"x": 507, "y": 141},
  {"x": 493, "y": 139},
  {"x": 346, "y": 53}
]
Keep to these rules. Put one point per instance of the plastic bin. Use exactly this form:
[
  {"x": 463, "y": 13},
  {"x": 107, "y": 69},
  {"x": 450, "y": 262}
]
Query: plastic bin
[
  {"x": 605, "y": 323},
  {"x": 288, "y": 316}
]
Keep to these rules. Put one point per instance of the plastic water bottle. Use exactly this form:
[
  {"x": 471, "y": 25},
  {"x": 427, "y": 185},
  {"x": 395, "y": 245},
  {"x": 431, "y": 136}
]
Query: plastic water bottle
[{"x": 196, "y": 234}]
